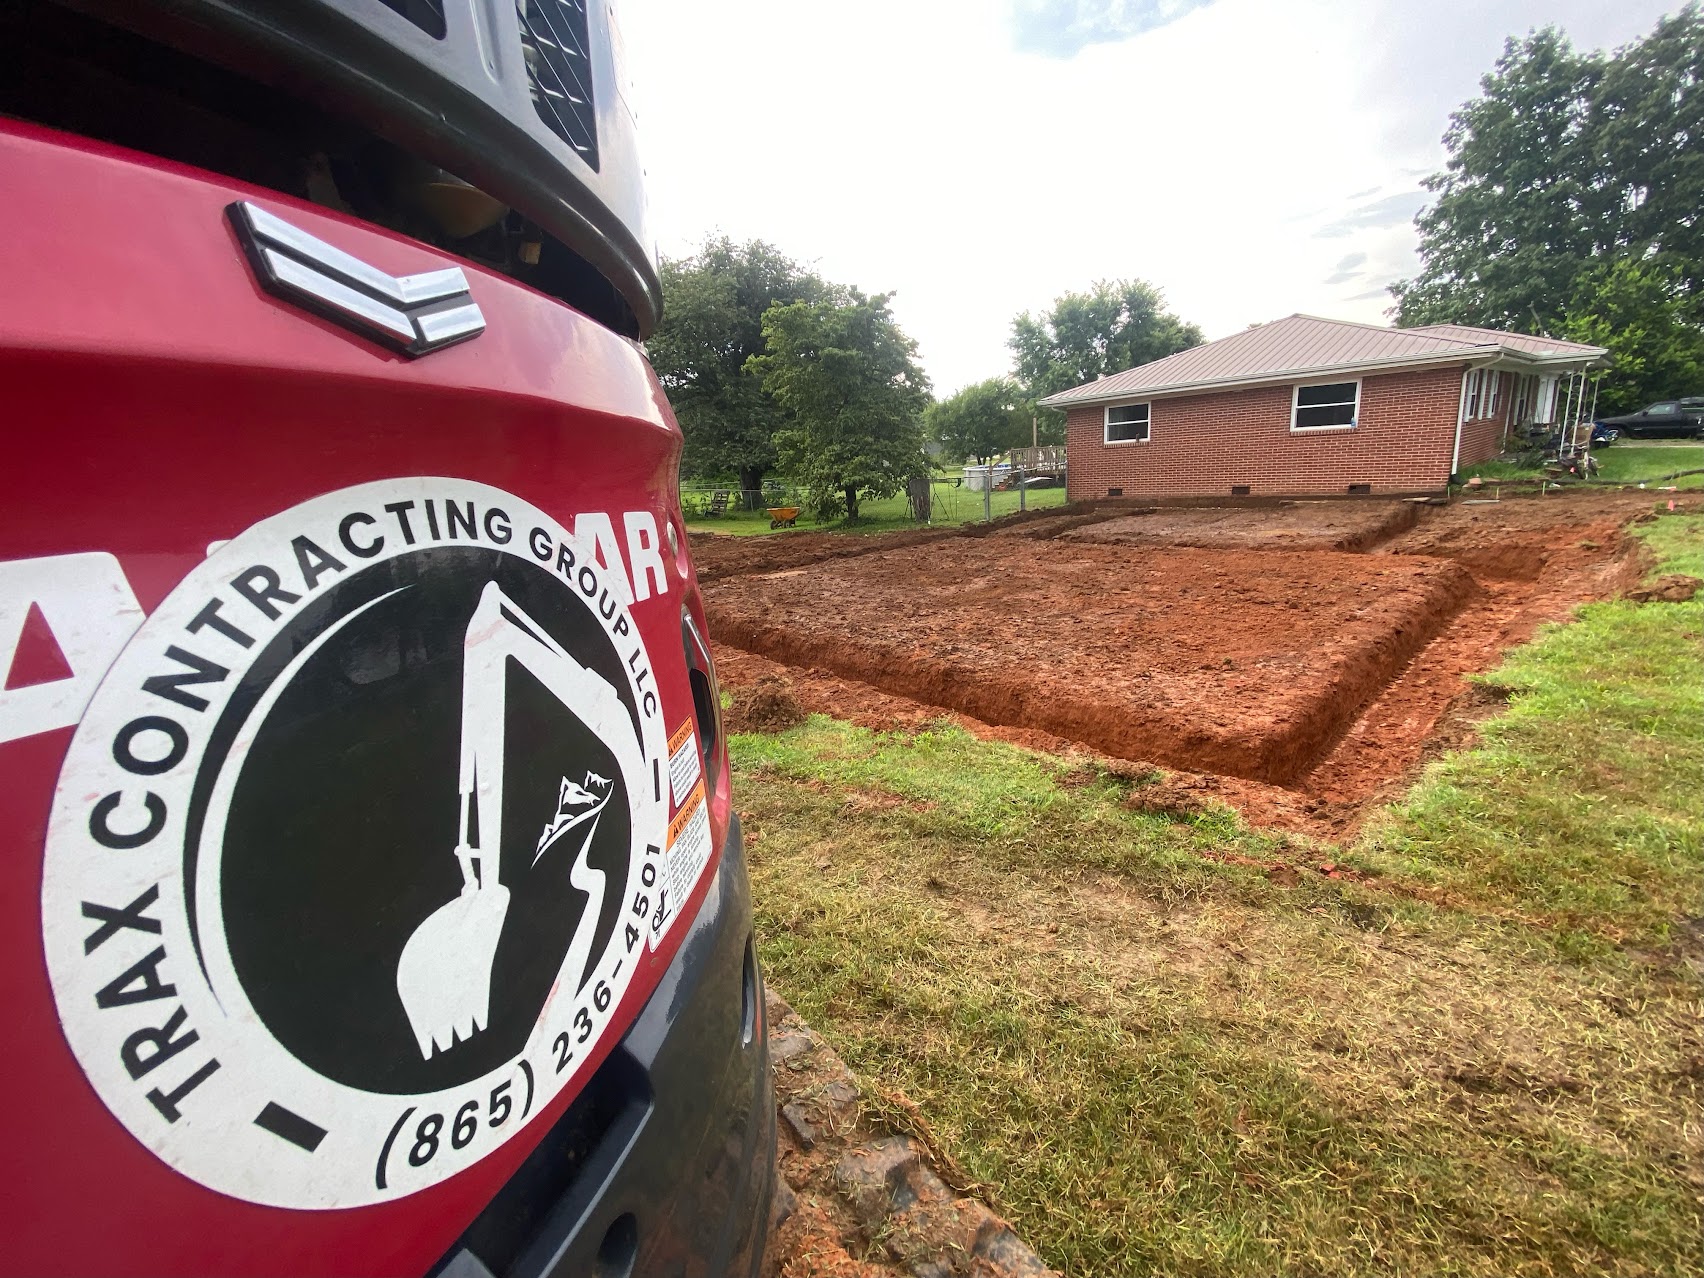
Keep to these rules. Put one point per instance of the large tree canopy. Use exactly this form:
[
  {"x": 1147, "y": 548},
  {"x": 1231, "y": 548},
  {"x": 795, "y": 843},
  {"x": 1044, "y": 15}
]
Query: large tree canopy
[
  {"x": 1574, "y": 186},
  {"x": 847, "y": 376},
  {"x": 1116, "y": 325},
  {"x": 713, "y": 307},
  {"x": 981, "y": 420}
]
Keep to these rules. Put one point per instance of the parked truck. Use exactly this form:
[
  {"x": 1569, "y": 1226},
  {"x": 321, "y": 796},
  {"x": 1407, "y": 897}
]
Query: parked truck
[{"x": 1683, "y": 418}]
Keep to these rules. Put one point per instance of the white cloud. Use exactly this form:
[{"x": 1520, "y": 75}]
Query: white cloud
[
  {"x": 1061, "y": 28},
  {"x": 1236, "y": 155}
]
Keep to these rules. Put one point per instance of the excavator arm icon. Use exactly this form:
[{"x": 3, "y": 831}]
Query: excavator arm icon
[{"x": 443, "y": 976}]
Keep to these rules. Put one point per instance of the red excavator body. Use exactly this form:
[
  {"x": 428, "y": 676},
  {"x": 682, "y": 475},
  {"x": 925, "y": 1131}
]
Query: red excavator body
[{"x": 267, "y": 445}]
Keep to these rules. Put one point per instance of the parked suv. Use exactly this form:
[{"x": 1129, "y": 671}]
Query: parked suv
[
  {"x": 1682, "y": 417},
  {"x": 373, "y": 898}
]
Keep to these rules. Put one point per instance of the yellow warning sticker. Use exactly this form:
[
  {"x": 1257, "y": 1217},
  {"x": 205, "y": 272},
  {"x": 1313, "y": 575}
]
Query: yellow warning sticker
[{"x": 685, "y": 766}]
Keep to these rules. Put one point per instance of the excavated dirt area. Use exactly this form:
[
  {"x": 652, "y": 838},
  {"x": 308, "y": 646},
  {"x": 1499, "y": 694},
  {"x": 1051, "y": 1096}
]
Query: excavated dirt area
[
  {"x": 1299, "y": 686},
  {"x": 1248, "y": 663},
  {"x": 719, "y": 555},
  {"x": 1311, "y": 525}
]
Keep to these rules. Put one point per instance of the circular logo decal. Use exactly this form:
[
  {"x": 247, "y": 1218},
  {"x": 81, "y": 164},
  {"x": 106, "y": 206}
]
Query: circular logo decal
[{"x": 359, "y": 844}]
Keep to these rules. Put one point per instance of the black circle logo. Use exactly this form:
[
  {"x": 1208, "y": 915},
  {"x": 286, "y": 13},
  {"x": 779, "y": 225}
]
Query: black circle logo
[{"x": 392, "y": 746}]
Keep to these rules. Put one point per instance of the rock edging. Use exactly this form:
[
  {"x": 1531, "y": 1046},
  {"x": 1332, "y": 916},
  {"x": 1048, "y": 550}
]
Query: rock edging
[{"x": 854, "y": 1199}]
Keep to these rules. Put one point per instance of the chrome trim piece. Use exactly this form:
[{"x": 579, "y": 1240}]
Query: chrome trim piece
[
  {"x": 293, "y": 274},
  {"x": 413, "y": 314},
  {"x": 440, "y": 328}
]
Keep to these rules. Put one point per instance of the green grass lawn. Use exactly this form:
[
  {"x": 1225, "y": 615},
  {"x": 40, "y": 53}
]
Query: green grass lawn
[
  {"x": 1621, "y": 463},
  {"x": 951, "y": 506},
  {"x": 1163, "y": 1056}
]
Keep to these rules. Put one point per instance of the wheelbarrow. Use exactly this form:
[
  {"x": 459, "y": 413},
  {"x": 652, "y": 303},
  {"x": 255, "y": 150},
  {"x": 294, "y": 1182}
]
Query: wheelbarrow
[{"x": 783, "y": 516}]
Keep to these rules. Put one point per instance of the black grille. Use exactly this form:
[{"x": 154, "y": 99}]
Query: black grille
[
  {"x": 559, "y": 70},
  {"x": 428, "y": 15}
]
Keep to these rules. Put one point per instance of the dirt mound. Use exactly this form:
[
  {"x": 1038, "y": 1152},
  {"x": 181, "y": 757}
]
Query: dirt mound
[
  {"x": 1048, "y": 527},
  {"x": 1311, "y": 525},
  {"x": 768, "y": 705},
  {"x": 1249, "y": 664},
  {"x": 718, "y": 556},
  {"x": 1671, "y": 587},
  {"x": 1178, "y": 795},
  {"x": 1516, "y": 539},
  {"x": 721, "y": 555},
  {"x": 820, "y": 692}
]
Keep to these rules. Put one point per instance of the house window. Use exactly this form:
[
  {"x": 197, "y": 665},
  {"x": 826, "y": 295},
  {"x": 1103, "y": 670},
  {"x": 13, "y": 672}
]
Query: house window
[
  {"x": 1544, "y": 411},
  {"x": 1328, "y": 406},
  {"x": 1127, "y": 424},
  {"x": 1523, "y": 399},
  {"x": 1480, "y": 394}
]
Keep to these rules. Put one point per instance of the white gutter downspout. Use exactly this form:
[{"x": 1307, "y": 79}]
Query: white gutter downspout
[{"x": 1461, "y": 416}]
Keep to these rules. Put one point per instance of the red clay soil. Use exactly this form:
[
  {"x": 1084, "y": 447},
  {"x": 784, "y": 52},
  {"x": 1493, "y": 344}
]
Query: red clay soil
[
  {"x": 1516, "y": 538},
  {"x": 1245, "y": 663},
  {"x": 1536, "y": 558},
  {"x": 820, "y": 692},
  {"x": 1311, "y": 525},
  {"x": 1041, "y": 525},
  {"x": 719, "y": 555}
]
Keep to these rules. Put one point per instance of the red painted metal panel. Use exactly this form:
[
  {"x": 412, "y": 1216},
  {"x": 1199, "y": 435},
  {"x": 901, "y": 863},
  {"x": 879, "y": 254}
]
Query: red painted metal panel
[{"x": 155, "y": 401}]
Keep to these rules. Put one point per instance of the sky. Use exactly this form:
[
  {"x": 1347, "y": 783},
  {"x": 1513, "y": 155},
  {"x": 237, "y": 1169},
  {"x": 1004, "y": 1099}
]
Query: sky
[{"x": 1251, "y": 158}]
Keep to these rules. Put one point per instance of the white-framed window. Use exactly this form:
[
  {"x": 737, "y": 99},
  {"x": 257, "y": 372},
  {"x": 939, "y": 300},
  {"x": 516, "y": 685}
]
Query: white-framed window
[
  {"x": 1472, "y": 392},
  {"x": 1523, "y": 392},
  {"x": 1126, "y": 424},
  {"x": 1325, "y": 406},
  {"x": 1544, "y": 410},
  {"x": 1480, "y": 393}
]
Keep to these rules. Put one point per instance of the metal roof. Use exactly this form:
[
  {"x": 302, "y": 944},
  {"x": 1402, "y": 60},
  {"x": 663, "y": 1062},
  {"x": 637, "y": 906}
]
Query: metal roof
[
  {"x": 1549, "y": 346},
  {"x": 1306, "y": 346}
]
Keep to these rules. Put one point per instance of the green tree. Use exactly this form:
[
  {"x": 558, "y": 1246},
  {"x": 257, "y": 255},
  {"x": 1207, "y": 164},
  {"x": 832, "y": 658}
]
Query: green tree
[
  {"x": 1573, "y": 198},
  {"x": 713, "y": 307},
  {"x": 1117, "y": 324},
  {"x": 847, "y": 375},
  {"x": 1633, "y": 308},
  {"x": 983, "y": 419}
]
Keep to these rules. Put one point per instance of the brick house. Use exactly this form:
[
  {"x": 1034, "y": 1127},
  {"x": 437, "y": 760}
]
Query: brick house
[{"x": 1307, "y": 406}]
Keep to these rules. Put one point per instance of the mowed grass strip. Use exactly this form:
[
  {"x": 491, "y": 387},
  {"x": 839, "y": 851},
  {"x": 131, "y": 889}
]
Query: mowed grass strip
[{"x": 1160, "y": 1060}]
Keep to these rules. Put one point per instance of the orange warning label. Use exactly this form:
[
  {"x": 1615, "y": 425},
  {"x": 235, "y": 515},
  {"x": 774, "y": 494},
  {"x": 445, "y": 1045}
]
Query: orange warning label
[{"x": 688, "y": 810}]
